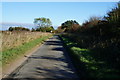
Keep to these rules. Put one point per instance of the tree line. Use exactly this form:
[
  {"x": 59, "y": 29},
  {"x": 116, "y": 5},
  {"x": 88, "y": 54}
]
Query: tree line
[
  {"x": 41, "y": 24},
  {"x": 18, "y": 29},
  {"x": 109, "y": 24},
  {"x": 101, "y": 36}
]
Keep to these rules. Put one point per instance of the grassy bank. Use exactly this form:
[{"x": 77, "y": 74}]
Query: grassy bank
[
  {"x": 89, "y": 63},
  {"x": 13, "y": 53},
  {"x": 16, "y": 38}
]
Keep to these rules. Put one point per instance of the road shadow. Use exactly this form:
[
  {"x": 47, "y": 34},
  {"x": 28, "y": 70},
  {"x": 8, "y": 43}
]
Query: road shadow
[
  {"x": 56, "y": 73},
  {"x": 53, "y": 43},
  {"x": 58, "y": 49},
  {"x": 49, "y": 57},
  {"x": 62, "y": 72},
  {"x": 55, "y": 40}
]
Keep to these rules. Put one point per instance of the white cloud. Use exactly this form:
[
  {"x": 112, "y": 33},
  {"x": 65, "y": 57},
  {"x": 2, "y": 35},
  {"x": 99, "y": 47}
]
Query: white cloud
[{"x": 6, "y": 25}]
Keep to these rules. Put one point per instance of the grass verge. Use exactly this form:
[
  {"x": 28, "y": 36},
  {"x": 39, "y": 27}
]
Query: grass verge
[
  {"x": 87, "y": 64},
  {"x": 13, "y": 53}
]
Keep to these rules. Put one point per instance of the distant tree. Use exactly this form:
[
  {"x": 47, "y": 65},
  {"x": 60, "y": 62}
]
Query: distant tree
[
  {"x": 33, "y": 30},
  {"x": 49, "y": 29},
  {"x": 45, "y": 29},
  {"x": 59, "y": 29},
  {"x": 70, "y": 25},
  {"x": 91, "y": 22},
  {"x": 10, "y": 29},
  {"x": 18, "y": 29},
  {"x": 42, "y": 22}
]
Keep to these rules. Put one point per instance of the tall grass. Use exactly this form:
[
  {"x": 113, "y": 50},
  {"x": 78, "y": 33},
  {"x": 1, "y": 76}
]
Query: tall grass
[
  {"x": 17, "y": 43},
  {"x": 17, "y": 38}
]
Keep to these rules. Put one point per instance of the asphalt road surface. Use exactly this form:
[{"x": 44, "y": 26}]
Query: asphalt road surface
[{"x": 50, "y": 62}]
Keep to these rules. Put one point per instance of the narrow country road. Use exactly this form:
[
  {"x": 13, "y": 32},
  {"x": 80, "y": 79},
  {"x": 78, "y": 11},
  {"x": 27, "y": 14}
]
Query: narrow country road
[{"x": 50, "y": 61}]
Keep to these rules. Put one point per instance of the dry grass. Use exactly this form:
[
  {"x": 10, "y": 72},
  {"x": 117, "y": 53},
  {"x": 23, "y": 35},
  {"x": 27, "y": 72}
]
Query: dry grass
[{"x": 14, "y": 39}]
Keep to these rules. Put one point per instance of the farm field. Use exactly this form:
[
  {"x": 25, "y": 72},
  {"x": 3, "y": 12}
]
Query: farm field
[
  {"x": 18, "y": 42},
  {"x": 17, "y": 38}
]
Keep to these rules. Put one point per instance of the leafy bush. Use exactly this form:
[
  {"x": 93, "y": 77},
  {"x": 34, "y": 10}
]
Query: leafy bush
[
  {"x": 45, "y": 29},
  {"x": 93, "y": 63},
  {"x": 18, "y": 29},
  {"x": 94, "y": 47}
]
